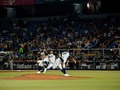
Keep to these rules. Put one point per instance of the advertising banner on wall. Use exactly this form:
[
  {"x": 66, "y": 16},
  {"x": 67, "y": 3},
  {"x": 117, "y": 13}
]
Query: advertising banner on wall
[{"x": 16, "y": 2}]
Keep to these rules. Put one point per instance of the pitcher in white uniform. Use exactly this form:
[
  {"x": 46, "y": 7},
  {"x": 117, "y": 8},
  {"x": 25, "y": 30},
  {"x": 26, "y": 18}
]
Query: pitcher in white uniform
[
  {"x": 51, "y": 59},
  {"x": 60, "y": 62},
  {"x": 42, "y": 63}
]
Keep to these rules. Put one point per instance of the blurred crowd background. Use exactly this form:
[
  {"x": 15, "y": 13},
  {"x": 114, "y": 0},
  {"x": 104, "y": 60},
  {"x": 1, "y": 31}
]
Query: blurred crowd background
[{"x": 89, "y": 29}]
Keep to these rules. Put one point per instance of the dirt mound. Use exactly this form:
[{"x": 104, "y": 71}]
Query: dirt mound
[{"x": 44, "y": 77}]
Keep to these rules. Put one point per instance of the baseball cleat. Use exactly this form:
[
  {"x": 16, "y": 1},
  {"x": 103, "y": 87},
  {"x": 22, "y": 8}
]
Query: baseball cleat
[
  {"x": 38, "y": 72},
  {"x": 44, "y": 70},
  {"x": 66, "y": 75}
]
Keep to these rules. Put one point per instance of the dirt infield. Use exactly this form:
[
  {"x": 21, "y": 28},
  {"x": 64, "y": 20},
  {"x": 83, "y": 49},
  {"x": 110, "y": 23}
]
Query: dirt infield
[{"x": 44, "y": 77}]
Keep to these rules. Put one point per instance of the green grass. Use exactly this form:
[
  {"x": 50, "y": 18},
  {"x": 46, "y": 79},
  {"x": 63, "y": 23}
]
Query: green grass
[{"x": 100, "y": 80}]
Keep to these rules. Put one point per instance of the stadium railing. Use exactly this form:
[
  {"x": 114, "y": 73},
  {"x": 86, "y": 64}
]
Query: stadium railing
[{"x": 102, "y": 58}]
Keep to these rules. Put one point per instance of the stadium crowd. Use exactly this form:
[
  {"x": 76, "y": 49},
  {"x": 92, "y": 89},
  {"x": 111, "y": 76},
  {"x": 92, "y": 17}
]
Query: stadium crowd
[
  {"x": 69, "y": 32},
  {"x": 59, "y": 33}
]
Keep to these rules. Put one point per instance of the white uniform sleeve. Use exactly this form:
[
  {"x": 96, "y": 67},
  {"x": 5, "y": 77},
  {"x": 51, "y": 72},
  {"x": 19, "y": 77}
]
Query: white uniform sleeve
[
  {"x": 40, "y": 62},
  {"x": 46, "y": 59},
  {"x": 65, "y": 56},
  {"x": 52, "y": 59}
]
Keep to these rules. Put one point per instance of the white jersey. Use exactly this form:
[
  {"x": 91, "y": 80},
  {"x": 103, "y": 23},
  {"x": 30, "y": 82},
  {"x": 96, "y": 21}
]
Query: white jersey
[
  {"x": 51, "y": 58},
  {"x": 65, "y": 56},
  {"x": 41, "y": 62},
  {"x": 58, "y": 61},
  {"x": 46, "y": 59}
]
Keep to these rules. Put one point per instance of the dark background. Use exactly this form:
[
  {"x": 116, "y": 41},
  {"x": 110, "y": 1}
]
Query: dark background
[{"x": 58, "y": 8}]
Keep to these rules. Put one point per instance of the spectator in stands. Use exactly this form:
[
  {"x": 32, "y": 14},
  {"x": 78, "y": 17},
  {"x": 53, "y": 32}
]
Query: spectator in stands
[{"x": 66, "y": 32}]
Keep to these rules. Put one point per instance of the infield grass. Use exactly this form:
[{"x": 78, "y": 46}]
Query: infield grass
[{"x": 99, "y": 80}]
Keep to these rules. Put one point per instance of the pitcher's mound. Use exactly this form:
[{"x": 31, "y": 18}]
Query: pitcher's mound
[{"x": 44, "y": 77}]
